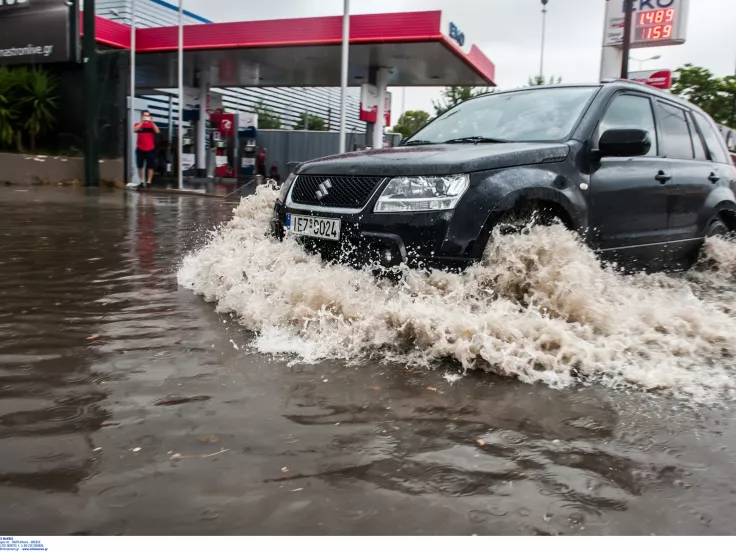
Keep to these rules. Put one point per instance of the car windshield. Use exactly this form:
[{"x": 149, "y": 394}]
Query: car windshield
[{"x": 541, "y": 114}]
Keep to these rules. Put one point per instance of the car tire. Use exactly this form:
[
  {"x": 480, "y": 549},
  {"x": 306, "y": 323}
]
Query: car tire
[
  {"x": 718, "y": 228},
  {"x": 518, "y": 220}
]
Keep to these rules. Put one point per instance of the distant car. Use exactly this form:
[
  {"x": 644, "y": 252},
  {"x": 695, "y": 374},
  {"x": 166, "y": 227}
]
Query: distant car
[{"x": 642, "y": 175}]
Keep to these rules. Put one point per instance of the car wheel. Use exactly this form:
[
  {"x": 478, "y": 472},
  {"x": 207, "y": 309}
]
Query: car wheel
[
  {"x": 515, "y": 222},
  {"x": 717, "y": 228}
]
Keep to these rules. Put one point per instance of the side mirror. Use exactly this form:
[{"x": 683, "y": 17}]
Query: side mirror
[{"x": 624, "y": 142}]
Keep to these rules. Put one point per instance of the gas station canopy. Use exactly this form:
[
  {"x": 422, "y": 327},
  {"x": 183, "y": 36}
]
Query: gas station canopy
[{"x": 417, "y": 48}]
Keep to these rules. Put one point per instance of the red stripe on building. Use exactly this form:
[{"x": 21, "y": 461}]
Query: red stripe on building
[
  {"x": 108, "y": 32},
  {"x": 396, "y": 27}
]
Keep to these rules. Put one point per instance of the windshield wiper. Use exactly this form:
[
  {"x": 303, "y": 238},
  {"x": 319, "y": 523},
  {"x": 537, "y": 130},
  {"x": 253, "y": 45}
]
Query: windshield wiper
[
  {"x": 417, "y": 143},
  {"x": 477, "y": 140}
]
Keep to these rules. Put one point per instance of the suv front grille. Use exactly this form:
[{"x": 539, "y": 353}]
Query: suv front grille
[{"x": 341, "y": 191}]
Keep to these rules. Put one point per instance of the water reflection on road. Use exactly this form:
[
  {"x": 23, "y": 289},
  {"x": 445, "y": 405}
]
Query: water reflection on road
[{"x": 125, "y": 408}]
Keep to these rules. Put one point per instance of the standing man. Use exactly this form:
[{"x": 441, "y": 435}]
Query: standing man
[
  {"x": 145, "y": 150},
  {"x": 261, "y": 163}
]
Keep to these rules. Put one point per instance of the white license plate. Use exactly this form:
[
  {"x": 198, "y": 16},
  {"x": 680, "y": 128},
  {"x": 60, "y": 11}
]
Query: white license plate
[{"x": 317, "y": 227}]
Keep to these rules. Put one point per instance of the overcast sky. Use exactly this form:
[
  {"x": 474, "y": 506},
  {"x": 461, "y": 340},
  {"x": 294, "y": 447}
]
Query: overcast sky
[{"x": 509, "y": 32}]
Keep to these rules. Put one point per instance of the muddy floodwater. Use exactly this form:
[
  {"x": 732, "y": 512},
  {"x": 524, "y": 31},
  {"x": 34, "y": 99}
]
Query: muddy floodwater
[{"x": 156, "y": 378}]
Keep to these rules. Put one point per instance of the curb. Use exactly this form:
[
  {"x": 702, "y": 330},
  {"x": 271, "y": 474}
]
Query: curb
[{"x": 172, "y": 191}]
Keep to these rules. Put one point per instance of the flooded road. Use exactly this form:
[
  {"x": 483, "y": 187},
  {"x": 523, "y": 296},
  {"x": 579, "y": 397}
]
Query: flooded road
[{"x": 130, "y": 405}]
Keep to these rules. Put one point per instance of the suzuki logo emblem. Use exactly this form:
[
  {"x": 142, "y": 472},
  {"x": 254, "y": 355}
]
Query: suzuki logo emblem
[{"x": 324, "y": 189}]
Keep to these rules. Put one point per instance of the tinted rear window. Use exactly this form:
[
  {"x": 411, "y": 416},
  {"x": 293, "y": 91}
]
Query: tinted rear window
[{"x": 713, "y": 139}]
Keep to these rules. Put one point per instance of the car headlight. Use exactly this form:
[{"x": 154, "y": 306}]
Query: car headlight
[
  {"x": 422, "y": 193},
  {"x": 283, "y": 192}
]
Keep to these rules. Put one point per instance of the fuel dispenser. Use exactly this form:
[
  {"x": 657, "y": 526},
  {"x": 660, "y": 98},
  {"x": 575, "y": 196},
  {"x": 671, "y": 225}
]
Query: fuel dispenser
[
  {"x": 223, "y": 144},
  {"x": 188, "y": 147},
  {"x": 247, "y": 125}
]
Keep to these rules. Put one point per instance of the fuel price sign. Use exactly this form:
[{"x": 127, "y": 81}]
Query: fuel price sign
[
  {"x": 656, "y": 25},
  {"x": 653, "y": 23}
]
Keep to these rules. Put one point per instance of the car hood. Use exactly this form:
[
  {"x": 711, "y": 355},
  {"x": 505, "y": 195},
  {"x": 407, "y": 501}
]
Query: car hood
[{"x": 435, "y": 159}]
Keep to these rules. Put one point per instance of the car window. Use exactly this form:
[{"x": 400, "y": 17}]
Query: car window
[
  {"x": 698, "y": 145},
  {"x": 533, "y": 114},
  {"x": 630, "y": 111},
  {"x": 675, "y": 133},
  {"x": 712, "y": 139}
]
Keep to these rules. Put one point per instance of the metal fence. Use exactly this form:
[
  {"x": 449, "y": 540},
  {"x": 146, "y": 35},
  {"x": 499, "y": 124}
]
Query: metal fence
[{"x": 288, "y": 146}]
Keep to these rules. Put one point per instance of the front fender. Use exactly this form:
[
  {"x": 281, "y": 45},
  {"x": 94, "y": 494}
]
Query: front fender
[{"x": 498, "y": 192}]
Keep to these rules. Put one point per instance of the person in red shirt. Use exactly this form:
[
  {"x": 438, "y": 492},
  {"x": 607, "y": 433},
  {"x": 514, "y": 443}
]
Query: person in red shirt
[
  {"x": 145, "y": 150},
  {"x": 261, "y": 163}
]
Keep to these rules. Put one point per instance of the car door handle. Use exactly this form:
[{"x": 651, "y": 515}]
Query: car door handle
[
  {"x": 714, "y": 177},
  {"x": 663, "y": 177}
]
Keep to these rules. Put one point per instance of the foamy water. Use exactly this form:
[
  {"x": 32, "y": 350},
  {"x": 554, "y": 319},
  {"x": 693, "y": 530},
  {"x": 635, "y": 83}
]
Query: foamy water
[{"x": 540, "y": 308}]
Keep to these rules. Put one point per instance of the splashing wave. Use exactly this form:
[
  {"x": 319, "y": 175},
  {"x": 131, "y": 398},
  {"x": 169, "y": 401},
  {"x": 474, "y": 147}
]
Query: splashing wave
[{"x": 540, "y": 308}]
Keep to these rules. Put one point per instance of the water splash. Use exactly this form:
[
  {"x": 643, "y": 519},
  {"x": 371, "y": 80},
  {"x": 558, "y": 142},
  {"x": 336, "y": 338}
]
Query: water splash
[{"x": 540, "y": 308}]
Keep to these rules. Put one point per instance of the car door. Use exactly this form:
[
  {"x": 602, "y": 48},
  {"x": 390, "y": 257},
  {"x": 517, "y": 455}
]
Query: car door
[
  {"x": 691, "y": 183},
  {"x": 628, "y": 195},
  {"x": 717, "y": 168}
]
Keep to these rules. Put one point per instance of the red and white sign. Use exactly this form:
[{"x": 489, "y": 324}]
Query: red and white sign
[
  {"x": 227, "y": 125},
  {"x": 187, "y": 161},
  {"x": 369, "y": 104},
  {"x": 661, "y": 79}
]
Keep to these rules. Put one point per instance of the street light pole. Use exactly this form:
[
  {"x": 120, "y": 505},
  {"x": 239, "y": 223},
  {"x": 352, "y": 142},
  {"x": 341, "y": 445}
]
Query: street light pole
[
  {"x": 641, "y": 62},
  {"x": 89, "y": 57},
  {"x": 180, "y": 141},
  {"x": 544, "y": 32},
  {"x": 131, "y": 150},
  {"x": 732, "y": 122},
  {"x": 344, "y": 71},
  {"x": 628, "y": 9}
]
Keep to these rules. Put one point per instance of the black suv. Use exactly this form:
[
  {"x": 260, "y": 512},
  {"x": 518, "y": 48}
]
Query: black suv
[{"x": 640, "y": 174}]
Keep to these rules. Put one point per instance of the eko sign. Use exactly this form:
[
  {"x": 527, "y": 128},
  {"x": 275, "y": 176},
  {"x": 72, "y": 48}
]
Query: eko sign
[{"x": 457, "y": 35}]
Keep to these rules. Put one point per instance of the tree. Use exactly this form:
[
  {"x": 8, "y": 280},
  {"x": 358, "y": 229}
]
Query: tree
[
  {"x": 28, "y": 104},
  {"x": 267, "y": 118},
  {"x": 538, "y": 80},
  {"x": 410, "y": 122},
  {"x": 8, "y": 117},
  {"x": 307, "y": 121},
  {"x": 39, "y": 104},
  {"x": 453, "y": 95},
  {"x": 11, "y": 88},
  {"x": 711, "y": 94}
]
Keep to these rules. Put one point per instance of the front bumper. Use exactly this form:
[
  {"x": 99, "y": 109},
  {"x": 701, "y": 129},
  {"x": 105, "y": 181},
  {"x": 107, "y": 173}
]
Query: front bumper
[{"x": 420, "y": 240}]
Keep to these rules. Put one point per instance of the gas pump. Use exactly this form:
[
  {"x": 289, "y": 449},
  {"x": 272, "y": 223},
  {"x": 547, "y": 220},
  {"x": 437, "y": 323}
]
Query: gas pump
[
  {"x": 222, "y": 165},
  {"x": 189, "y": 155},
  {"x": 247, "y": 124},
  {"x": 222, "y": 147}
]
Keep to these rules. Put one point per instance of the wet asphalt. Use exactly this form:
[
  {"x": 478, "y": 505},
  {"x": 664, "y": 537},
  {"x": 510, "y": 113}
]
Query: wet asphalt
[{"x": 126, "y": 409}]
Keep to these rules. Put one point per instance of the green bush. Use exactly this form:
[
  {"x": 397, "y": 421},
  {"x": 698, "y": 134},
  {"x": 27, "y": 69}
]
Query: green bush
[{"x": 28, "y": 104}]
